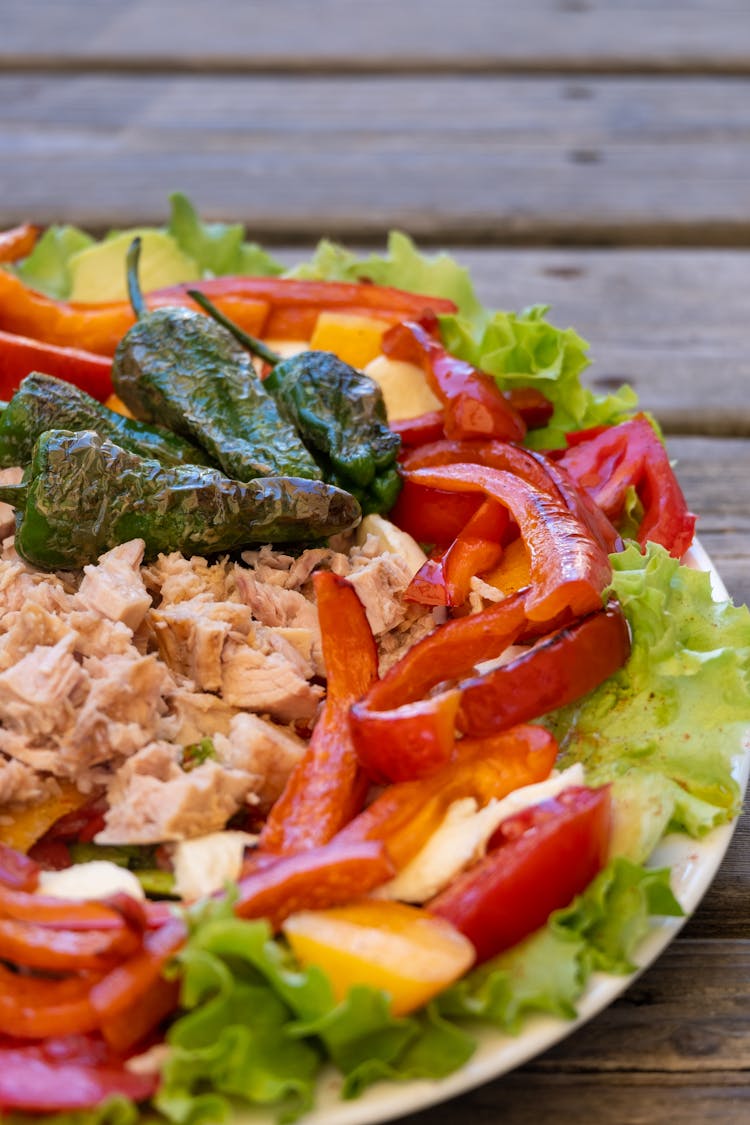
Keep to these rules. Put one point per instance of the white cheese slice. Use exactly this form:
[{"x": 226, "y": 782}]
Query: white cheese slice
[
  {"x": 405, "y": 389},
  {"x": 462, "y": 837},
  {"x": 392, "y": 540},
  {"x": 96, "y": 879},
  {"x": 206, "y": 863}
]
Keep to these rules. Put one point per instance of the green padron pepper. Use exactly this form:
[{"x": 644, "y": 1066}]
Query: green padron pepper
[
  {"x": 177, "y": 368},
  {"x": 339, "y": 413},
  {"x": 45, "y": 403},
  {"x": 83, "y": 495}
]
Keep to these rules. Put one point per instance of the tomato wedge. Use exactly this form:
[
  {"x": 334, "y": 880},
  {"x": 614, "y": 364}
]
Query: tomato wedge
[{"x": 540, "y": 859}]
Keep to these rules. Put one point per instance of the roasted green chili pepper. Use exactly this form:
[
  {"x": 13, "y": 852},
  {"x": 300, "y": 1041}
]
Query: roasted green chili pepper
[
  {"x": 83, "y": 495},
  {"x": 339, "y": 413},
  {"x": 45, "y": 403},
  {"x": 177, "y": 368}
]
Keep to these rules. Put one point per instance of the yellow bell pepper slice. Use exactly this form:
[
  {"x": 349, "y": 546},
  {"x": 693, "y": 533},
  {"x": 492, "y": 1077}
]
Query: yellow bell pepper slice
[{"x": 410, "y": 954}]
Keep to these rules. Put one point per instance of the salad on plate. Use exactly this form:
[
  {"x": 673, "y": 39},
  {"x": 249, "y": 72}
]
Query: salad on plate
[{"x": 356, "y": 661}]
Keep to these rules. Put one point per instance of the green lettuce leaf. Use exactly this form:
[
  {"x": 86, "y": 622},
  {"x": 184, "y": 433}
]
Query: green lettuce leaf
[
  {"x": 524, "y": 349},
  {"x": 116, "y": 1110},
  {"x": 257, "y": 1027},
  {"x": 47, "y": 266},
  {"x": 402, "y": 266},
  {"x": 518, "y": 349},
  {"x": 548, "y": 971},
  {"x": 669, "y": 725},
  {"x": 218, "y": 248}
]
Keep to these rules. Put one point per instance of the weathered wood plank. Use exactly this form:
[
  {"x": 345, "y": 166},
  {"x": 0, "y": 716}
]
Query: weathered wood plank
[
  {"x": 484, "y": 159},
  {"x": 671, "y": 324},
  {"x": 673, "y": 1048},
  {"x": 486, "y": 34}
]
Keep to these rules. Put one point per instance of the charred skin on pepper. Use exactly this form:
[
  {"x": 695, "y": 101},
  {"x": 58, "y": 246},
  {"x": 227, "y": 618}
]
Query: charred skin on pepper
[
  {"x": 338, "y": 411},
  {"x": 178, "y": 368},
  {"x": 44, "y": 403},
  {"x": 83, "y": 495}
]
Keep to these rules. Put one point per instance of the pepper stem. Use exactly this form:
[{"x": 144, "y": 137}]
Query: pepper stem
[
  {"x": 14, "y": 494},
  {"x": 257, "y": 347},
  {"x": 134, "y": 288}
]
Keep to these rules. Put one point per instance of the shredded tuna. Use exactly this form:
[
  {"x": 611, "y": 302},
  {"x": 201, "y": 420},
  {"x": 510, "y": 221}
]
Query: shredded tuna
[
  {"x": 153, "y": 799},
  {"x": 107, "y": 675}
]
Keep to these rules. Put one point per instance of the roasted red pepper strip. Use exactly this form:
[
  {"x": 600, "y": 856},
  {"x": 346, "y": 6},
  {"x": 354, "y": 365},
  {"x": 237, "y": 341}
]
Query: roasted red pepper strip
[
  {"x": 533, "y": 406},
  {"x": 542, "y": 858},
  {"x": 61, "y": 914},
  {"x": 406, "y": 814},
  {"x": 398, "y": 734},
  {"x": 325, "y": 876},
  {"x": 631, "y": 455},
  {"x": 420, "y": 430},
  {"x": 282, "y": 292},
  {"x": 17, "y": 242},
  {"x": 118, "y": 997},
  {"x": 450, "y": 653},
  {"x": 431, "y": 515},
  {"x": 558, "y": 670},
  {"x": 327, "y": 787},
  {"x": 533, "y": 467},
  {"x": 39, "y": 947},
  {"x": 413, "y": 740},
  {"x": 29, "y": 1081},
  {"x": 37, "y": 1008},
  {"x": 569, "y": 569},
  {"x": 474, "y": 406},
  {"x": 19, "y": 356},
  {"x": 17, "y": 871},
  {"x": 446, "y": 580}
]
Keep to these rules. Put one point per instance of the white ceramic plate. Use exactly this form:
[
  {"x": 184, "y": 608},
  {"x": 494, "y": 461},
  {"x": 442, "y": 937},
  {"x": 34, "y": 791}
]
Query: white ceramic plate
[{"x": 694, "y": 865}]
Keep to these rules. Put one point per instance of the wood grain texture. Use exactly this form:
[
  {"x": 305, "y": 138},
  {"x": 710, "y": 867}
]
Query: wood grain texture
[
  {"x": 665, "y": 35},
  {"x": 671, "y": 324},
  {"x": 485, "y": 159},
  {"x": 673, "y": 1048}
]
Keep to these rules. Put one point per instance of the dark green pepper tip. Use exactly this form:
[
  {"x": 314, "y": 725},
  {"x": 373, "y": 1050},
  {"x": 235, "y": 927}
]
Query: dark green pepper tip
[
  {"x": 14, "y": 494},
  {"x": 134, "y": 288},
  {"x": 254, "y": 346}
]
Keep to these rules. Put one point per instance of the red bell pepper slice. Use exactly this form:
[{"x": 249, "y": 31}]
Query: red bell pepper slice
[
  {"x": 17, "y": 871},
  {"x": 432, "y": 515},
  {"x": 19, "y": 356},
  {"x": 539, "y": 470},
  {"x": 534, "y": 408},
  {"x": 446, "y": 580},
  {"x": 29, "y": 1081},
  {"x": 327, "y": 787},
  {"x": 631, "y": 455},
  {"x": 569, "y": 569},
  {"x": 134, "y": 998},
  {"x": 541, "y": 859},
  {"x": 285, "y": 292},
  {"x": 36, "y": 1007},
  {"x": 400, "y": 735},
  {"x": 40, "y": 947},
  {"x": 473, "y": 405},
  {"x": 406, "y": 814},
  {"x": 556, "y": 671},
  {"x": 64, "y": 914},
  {"x": 17, "y": 242},
  {"x": 326, "y": 876},
  {"x": 420, "y": 430}
]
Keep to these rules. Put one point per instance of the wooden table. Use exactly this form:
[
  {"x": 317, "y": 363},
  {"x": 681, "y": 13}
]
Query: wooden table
[{"x": 594, "y": 154}]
